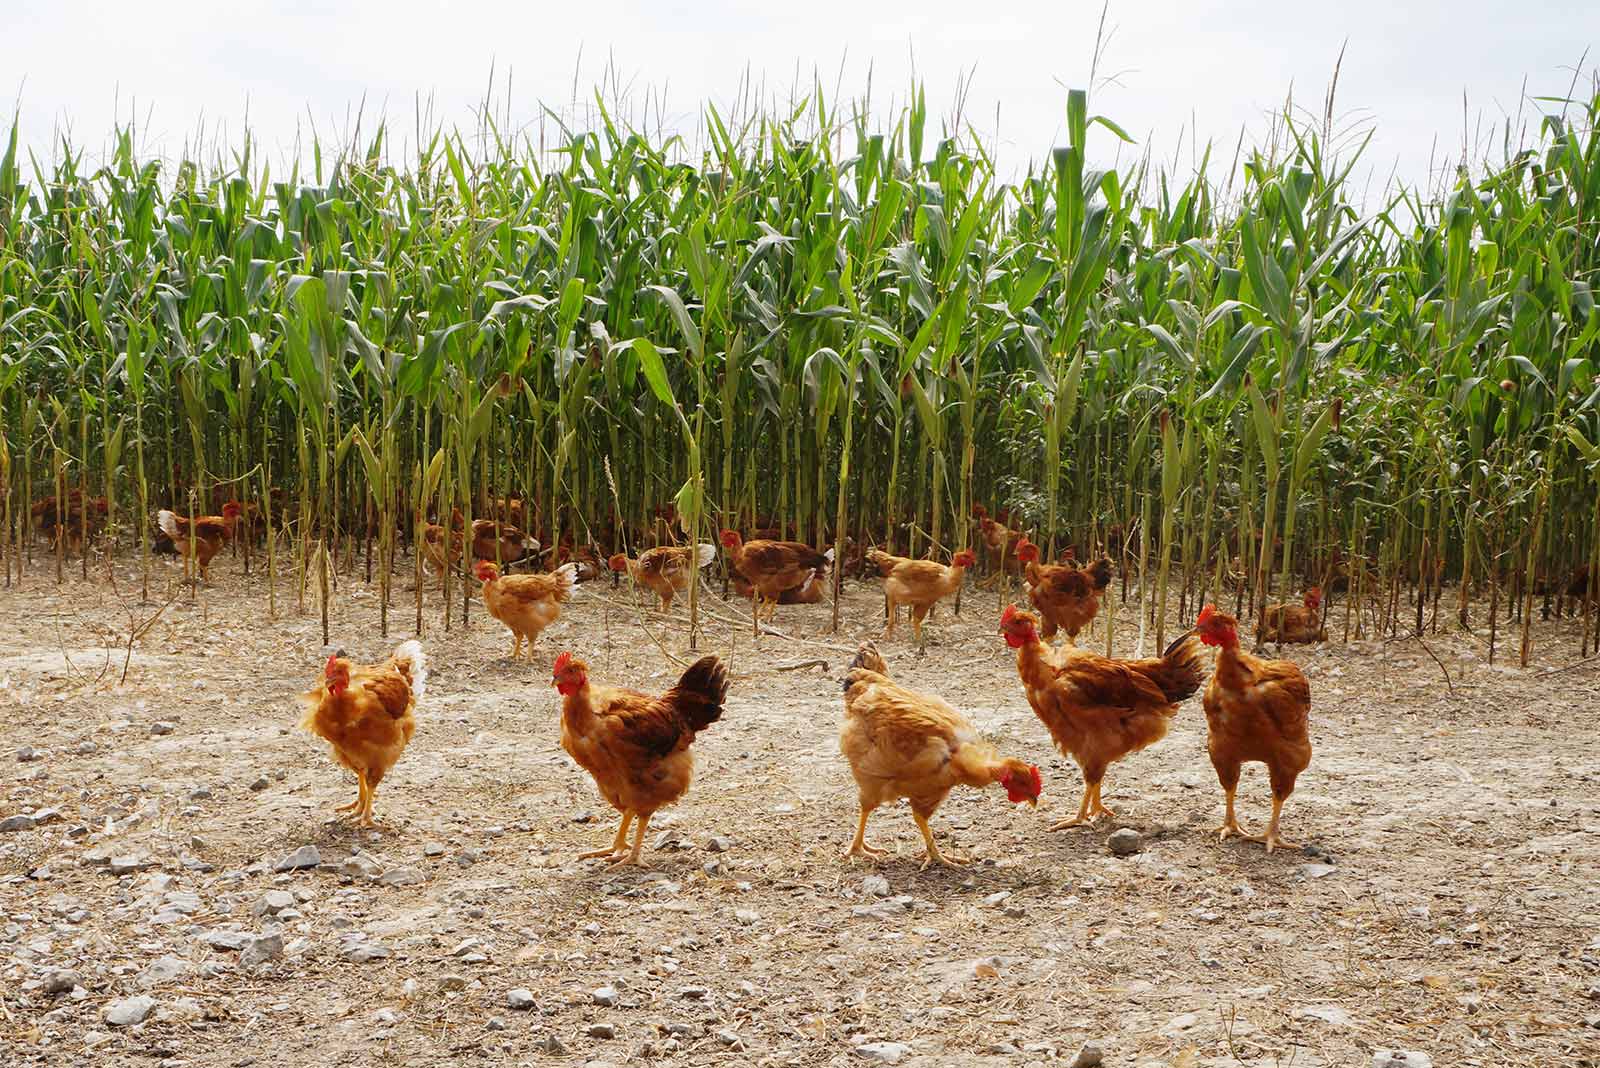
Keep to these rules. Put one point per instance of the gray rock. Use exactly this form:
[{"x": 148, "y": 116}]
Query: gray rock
[
  {"x": 1400, "y": 1058},
  {"x": 453, "y": 982},
  {"x": 387, "y": 1017},
  {"x": 273, "y": 902},
  {"x": 163, "y": 970},
  {"x": 875, "y": 886},
  {"x": 46, "y": 815},
  {"x": 495, "y": 1024},
  {"x": 468, "y": 857},
  {"x": 730, "y": 1039},
  {"x": 19, "y": 822},
  {"x": 259, "y": 785},
  {"x": 606, "y": 995},
  {"x": 307, "y": 856},
  {"x": 695, "y": 993},
  {"x": 85, "y": 748},
  {"x": 1088, "y": 1056},
  {"x": 129, "y": 1011},
  {"x": 129, "y": 863},
  {"x": 554, "y": 1046},
  {"x": 521, "y": 1000},
  {"x": 260, "y": 950},
  {"x": 200, "y": 793},
  {"x": 26, "y": 753},
  {"x": 892, "y": 909},
  {"x": 1317, "y": 871},
  {"x": 602, "y": 1030},
  {"x": 1328, "y": 1014},
  {"x": 719, "y": 844},
  {"x": 433, "y": 849},
  {"x": 1125, "y": 842},
  {"x": 360, "y": 866},
  {"x": 60, "y": 981},
  {"x": 229, "y": 940},
  {"x": 401, "y": 876},
  {"x": 714, "y": 868},
  {"x": 887, "y": 1052},
  {"x": 160, "y": 727},
  {"x": 363, "y": 952}
]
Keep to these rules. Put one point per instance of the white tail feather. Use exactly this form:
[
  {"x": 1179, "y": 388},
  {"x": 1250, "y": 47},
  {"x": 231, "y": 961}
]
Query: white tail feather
[
  {"x": 567, "y": 572},
  {"x": 704, "y": 554},
  {"x": 411, "y": 653},
  {"x": 828, "y": 556},
  {"x": 167, "y": 520}
]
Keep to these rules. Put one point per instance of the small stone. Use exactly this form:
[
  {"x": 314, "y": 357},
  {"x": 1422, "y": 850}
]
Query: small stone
[
  {"x": 387, "y": 1017},
  {"x": 695, "y": 993},
  {"x": 363, "y": 952},
  {"x": 273, "y": 902},
  {"x": 1328, "y": 1014},
  {"x": 129, "y": 863},
  {"x": 259, "y": 785},
  {"x": 1125, "y": 842},
  {"x": 520, "y": 999},
  {"x": 433, "y": 849},
  {"x": 260, "y": 950},
  {"x": 714, "y": 868},
  {"x": 606, "y": 995},
  {"x": 1317, "y": 871},
  {"x": 467, "y": 857},
  {"x": 602, "y": 1030},
  {"x": 1088, "y": 1056},
  {"x": 453, "y": 982},
  {"x": 200, "y": 793},
  {"x": 1015, "y": 912},
  {"x": 160, "y": 727},
  {"x": 553, "y": 1046},
  {"x": 229, "y": 940},
  {"x": 730, "y": 1039},
  {"x": 887, "y": 1052},
  {"x": 1400, "y": 1058},
  {"x": 360, "y": 867},
  {"x": 164, "y": 970},
  {"x": 60, "y": 981},
  {"x": 495, "y": 1024},
  {"x": 26, "y": 753},
  {"x": 18, "y": 822},
  {"x": 718, "y": 844},
  {"x": 307, "y": 856},
  {"x": 129, "y": 1011},
  {"x": 875, "y": 886},
  {"x": 87, "y": 747},
  {"x": 746, "y": 916},
  {"x": 1181, "y": 1023},
  {"x": 401, "y": 876}
]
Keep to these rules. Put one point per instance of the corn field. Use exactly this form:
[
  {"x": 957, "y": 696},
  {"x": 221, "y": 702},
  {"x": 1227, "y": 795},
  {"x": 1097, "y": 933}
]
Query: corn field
[{"x": 1237, "y": 384}]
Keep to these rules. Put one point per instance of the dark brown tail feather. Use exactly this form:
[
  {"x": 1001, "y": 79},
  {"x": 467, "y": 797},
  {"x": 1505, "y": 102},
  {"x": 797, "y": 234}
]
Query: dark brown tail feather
[
  {"x": 700, "y": 692},
  {"x": 1100, "y": 571},
  {"x": 1179, "y": 671}
]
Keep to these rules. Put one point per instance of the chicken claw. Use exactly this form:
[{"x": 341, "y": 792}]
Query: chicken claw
[
  {"x": 861, "y": 849},
  {"x": 949, "y": 860}
]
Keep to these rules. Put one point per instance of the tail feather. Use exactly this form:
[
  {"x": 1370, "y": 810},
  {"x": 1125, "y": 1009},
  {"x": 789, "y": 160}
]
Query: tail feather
[
  {"x": 412, "y": 662},
  {"x": 167, "y": 520},
  {"x": 700, "y": 691},
  {"x": 1179, "y": 671},
  {"x": 704, "y": 553},
  {"x": 1100, "y": 571},
  {"x": 566, "y": 577}
]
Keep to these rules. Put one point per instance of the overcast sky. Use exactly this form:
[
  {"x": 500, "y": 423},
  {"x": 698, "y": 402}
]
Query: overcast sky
[{"x": 1175, "y": 66}]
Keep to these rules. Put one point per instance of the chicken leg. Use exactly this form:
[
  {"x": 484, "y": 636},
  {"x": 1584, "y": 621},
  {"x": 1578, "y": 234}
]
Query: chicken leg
[
  {"x": 633, "y": 859},
  {"x": 859, "y": 847},
  {"x": 618, "y": 845},
  {"x": 1230, "y": 821},
  {"x": 1090, "y": 808},
  {"x": 1271, "y": 838},
  {"x": 934, "y": 855}
]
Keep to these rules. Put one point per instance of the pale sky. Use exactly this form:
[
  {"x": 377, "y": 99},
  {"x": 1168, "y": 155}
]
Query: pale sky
[{"x": 1205, "y": 65}]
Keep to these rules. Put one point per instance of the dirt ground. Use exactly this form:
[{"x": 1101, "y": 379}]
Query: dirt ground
[{"x": 1448, "y": 902}]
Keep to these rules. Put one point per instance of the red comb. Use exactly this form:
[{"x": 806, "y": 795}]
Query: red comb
[
  {"x": 1009, "y": 614},
  {"x": 562, "y": 661},
  {"x": 1205, "y": 615},
  {"x": 327, "y": 669}
]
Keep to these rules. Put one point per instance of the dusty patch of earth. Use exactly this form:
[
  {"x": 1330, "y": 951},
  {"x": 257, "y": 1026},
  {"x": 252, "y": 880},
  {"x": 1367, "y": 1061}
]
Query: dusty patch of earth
[{"x": 1452, "y": 907}]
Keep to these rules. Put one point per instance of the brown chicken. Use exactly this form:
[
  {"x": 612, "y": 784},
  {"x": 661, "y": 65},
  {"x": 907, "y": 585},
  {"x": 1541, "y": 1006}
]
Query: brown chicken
[
  {"x": 901, "y": 743},
  {"x": 1002, "y": 542},
  {"x": 917, "y": 584},
  {"x": 1098, "y": 709},
  {"x": 508, "y": 544},
  {"x": 663, "y": 570},
  {"x": 810, "y": 593},
  {"x": 208, "y": 537},
  {"x": 1257, "y": 711},
  {"x": 1066, "y": 596},
  {"x": 1293, "y": 624},
  {"x": 367, "y": 715},
  {"x": 525, "y": 603},
  {"x": 80, "y": 517},
  {"x": 636, "y": 746},
  {"x": 771, "y": 567}
]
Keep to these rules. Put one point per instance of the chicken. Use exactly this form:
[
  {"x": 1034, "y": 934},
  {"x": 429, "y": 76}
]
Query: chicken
[
  {"x": 636, "y": 746},
  {"x": 81, "y": 516},
  {"x": 810, "y": 593},
  {"x": 663, "y": 570},
  {"x": 917, "y": 584},
  {"x": 1002, "y": 542},
  {"x": 1293, "y": 624},
  {"x": 434, "y": 548},
  {"x": 508, "y": 544},
  {"x": 1065, "y": 595},
  {"x": 1256, "y": 711},
  {"x": 208, "y": 537},
  {"x": 1098, "y": 709},
  {"x": 771, "y": 567},
  {"x": 525, "y": 603},
  {"x": 367, "y": 715},
  {"x": 901, "y": 743}
]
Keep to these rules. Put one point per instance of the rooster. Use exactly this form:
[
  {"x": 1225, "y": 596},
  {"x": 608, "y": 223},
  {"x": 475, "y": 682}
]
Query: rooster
[
  {"x": 663, "y": 570},
  {"x": 1096, "y": 708},
  {"x": 636, "y": 746},
  {"x": 901, "y": 743},
  {"x": 526, "y": 604},
  {"x": 1257, "y": 710},
  {"x": 1065, "y": 595},
  {"x": 204, "y": 538},
  {"x": 917, "y": 584},
  {"x": 366, "y": 715}
]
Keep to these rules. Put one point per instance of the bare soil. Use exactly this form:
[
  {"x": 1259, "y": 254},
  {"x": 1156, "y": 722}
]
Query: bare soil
[{"x": 1448, "y": 902}]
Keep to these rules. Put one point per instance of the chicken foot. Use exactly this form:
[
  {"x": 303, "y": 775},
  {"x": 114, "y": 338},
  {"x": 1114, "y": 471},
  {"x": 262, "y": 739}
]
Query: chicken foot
[
  {"x": 618, "y": 847},
  {"x": 1230, "y": 822},
  {"x": 859, "y": 847},
  {"x": 934, "y": 855},
  {"x": 1090, "y": 809}
]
